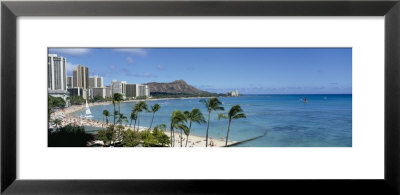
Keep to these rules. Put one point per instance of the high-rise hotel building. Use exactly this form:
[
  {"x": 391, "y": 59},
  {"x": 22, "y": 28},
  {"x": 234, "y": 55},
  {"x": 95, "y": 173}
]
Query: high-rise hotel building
[
  {"x": 80, "y": 77},
  {"x": 137, "y": 90},
  {"x": 96, "y": 82},
  {"x": 57, "y": 74},
  {"x": 118, "y": 87}
]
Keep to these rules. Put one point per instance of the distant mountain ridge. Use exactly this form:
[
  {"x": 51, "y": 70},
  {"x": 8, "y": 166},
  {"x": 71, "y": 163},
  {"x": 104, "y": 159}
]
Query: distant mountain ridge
[{"x": 175, "y": 87}]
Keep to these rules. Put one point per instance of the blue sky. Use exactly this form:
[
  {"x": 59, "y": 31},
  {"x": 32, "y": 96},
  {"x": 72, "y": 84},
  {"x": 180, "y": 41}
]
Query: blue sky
[{"x": 249, "y": 70}]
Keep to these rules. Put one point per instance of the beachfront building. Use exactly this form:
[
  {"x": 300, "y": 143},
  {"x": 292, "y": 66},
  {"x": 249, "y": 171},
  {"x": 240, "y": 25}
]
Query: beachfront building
[
  {"x": 95, "y": 82},
  {"x": 118, "y": 87},
  {"x": 137, "y": 90},
  {"x": 130, "y": 90},
  {"x": 89, "y": 93},
  {"x": 233, "y": 93},
  {"x": 69, "y": 82},
  {"x": 123, "y": 85},
  {"x": 100, "y": 92},
  {"x": 75, "y": 91},
  {"x": 60, "y": 93},
  {"x": 142, "y": 90},
  {"x": 57, "y": 74},
  {"x": 147, "y": 91},
  {"x": 80, "y": 77},
  {"x": 108, "y": 91},
  {"x": 100, "y": 82}
]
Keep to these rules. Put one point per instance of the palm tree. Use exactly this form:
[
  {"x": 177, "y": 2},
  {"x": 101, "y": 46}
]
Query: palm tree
[
  {"x": 106, "y": 113},
  {"x": 211, "y": 104},
  {"x": 194, "y": 116},
  {"x": 160, "y": 127},
  {"x": 57, "y": 122},
  {"x": 133, "y": 117},
  {"x": 184, "y": 128},
  {"x": 176, "y": 118},
  {"x": 113, "y": 102},
  {"x": 158, "y": 131},
  {"x": 122, "y": 118},
  {"x": 236, "y": 112},
  {"x": 135, "y": 110},
  {"x": 139, "y": 108},
  {"x": 154, "y": 109},
  {"x": 117, "y": 97}
]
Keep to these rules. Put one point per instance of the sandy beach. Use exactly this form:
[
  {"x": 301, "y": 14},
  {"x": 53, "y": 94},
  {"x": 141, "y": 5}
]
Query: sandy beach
[{"x": 67, "y": 117}]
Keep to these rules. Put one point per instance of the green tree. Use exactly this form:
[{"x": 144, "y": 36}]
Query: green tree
[
  {"x": 76, "y": 100},
  {"x": 122, "y": 118},
  {"x": 184, "y": 128},
  {"x": 236, "y": 112},
  {"x": 159, "y": 134},
  {"x": 106, "y": 113},
  {"x": 117, "y": 135},
  {"x": 113, "y": 102},
  {"x": 177, "y": 118},
  {"x": 211, "y": 104},
  {"x": 193, "y": 116},
  {"x": 133, "y": 117},
  {"x": 117, "y": 97},
  {"x": 135, "y": 110},
  {"x": 53, "y": 102},
  {"x": 139, "y": 107},
  {"x": 130, "y": 138},
  {"x": 69, "y": 136},
  {"x": 57, "y": 122},
  {"x": 106, "y": 135},
  {"x": 154, "y": 109},
  {"x": 148, "y": 138}
]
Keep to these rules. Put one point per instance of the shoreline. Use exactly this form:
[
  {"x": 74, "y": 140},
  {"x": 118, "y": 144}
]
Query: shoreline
[
  {"x": 66, "y": 116},
  {"x": 75, "y": 108}
]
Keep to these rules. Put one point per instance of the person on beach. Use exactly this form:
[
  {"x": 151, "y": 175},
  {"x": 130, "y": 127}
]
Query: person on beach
[
  {"x": 211, "y": 142},
  {"x": 305, "y": 99}
]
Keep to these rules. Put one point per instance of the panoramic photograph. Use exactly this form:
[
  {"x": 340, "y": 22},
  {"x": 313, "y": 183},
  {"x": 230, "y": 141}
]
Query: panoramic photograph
[{"x": 199, "y": 97}]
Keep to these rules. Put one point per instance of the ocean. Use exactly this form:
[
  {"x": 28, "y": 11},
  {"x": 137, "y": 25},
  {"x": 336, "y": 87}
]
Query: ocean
[{"x": 324, "y": 121}]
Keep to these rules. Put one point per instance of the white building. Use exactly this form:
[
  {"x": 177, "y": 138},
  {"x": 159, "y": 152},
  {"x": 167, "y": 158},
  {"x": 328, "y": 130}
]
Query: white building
[
  {"x": 137, "y": 90},
  {"x": 118, "y": 87},
  {"x": 142, "y": 90},
  {"x": 108, "y": 91},
  {"x": 56, "y": 73},
  {"x": 100, "y": 92},
  {"x": 233, "y": 93},
  {"x": 100, "y": 82},
  {"x": 80, "y": 77},
  {"x": 95, "y": 82}
]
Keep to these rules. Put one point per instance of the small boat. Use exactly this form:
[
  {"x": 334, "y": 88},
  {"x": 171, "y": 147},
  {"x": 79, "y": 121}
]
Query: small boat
[{"x": 88, "y": 113}]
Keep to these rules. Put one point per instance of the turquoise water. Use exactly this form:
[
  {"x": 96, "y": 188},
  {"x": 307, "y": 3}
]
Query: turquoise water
[{"x": 325, "y": 121}]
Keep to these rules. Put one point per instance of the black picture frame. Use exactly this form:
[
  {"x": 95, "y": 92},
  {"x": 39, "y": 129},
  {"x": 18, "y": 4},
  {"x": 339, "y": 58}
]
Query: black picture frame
[{"x": 10, "y": 10}]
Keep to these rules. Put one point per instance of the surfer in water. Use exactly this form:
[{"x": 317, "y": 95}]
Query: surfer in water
[{"x": 305, "y": 99}]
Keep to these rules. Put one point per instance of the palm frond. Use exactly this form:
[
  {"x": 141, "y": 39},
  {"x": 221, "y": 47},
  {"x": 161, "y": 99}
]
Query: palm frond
[
  {"x": 221, "y": 115},
  {"x": 241, "y": 115},
  {"x": 160, "y": 127},
  {"x": 196, "y": 116},
  {"x": 235, "y": 110},
  {"x": 155, "y": 107},
  {"x": 185, "y": 128}
]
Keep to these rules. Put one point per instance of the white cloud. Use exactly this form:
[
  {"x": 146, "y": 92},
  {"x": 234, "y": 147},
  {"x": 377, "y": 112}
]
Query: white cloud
[
  {"x": 129, "y": 60},
  {"x": 133, "y": 51},
  {"x": 69, "y": 51},
  {"x": 161, "y": 67}
]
